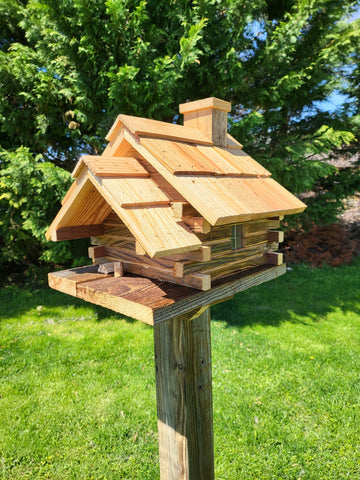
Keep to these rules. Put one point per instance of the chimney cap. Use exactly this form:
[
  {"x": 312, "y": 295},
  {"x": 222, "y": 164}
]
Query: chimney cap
[{"x": 211, "y": 102}]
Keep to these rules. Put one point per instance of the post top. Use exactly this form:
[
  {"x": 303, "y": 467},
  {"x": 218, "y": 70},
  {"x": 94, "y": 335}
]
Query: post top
[{"x": 211, "y": 102}]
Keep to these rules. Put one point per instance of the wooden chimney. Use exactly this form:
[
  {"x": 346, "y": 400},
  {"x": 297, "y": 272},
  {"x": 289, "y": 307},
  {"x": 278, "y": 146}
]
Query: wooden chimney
[{"x": 209, "y": 116}]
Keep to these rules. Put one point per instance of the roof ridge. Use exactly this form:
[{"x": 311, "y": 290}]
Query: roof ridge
[{"x": 156, "y": 128}]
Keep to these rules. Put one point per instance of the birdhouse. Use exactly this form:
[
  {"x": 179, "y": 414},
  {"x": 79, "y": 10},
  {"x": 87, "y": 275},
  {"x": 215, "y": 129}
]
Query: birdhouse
[
  {"x": 178, "y": 204},
  {"x": 180, "y": 218}
]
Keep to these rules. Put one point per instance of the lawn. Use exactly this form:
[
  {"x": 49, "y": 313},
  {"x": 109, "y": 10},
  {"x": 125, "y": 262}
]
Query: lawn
[{"x": 77, "y": 384}]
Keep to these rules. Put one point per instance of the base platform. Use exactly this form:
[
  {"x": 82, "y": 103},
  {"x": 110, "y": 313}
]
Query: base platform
[{"x": 152, "y": 301}]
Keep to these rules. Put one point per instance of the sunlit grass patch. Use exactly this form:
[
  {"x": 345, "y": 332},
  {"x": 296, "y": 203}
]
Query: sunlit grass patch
[{"x": 77, "y": 384}]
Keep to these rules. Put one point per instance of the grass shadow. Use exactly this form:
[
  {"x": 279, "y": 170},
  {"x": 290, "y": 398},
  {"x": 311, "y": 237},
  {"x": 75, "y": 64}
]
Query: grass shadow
[
  {"x": 303, "y": 293},
  {"x": 16, "y": 301}
]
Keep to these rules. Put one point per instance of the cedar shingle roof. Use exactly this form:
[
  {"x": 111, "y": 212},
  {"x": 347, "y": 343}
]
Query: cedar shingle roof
[{"x": 173, "y": 163}]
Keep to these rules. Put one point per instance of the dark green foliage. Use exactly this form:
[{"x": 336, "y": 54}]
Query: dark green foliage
[
  {"x": 67, "y": 68},
  {"x": 31, "y": 190}
]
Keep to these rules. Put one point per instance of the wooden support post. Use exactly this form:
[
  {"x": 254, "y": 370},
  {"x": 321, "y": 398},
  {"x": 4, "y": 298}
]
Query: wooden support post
[{"x": 184, "y": 397}]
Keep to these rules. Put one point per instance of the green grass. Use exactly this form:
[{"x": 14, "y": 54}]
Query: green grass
[{"x": 77, "y": 384}]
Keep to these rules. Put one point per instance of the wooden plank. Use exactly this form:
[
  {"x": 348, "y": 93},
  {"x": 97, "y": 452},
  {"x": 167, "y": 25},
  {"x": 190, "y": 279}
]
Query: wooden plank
[
  {"x": 203, "y": 254},
  {"x": 130, "y": 256},
  {"x": 183, "y": 209},
  {"x": 233, "y": 199},
  {"x": 145, "y": 127},
  {"x": 256, "y": 239},
  {"x": 221, "y": 290},
  {"x": 216, "y": 233},
  {"x": 242, "y": 162},
  {"x": 96, "y": 252},
  {"x": 197, "y": 156},
  {"x": 226, "y": 258},
  {"x": 116, "y": 141},
  {"x": 219, "y": 246},
  {"x": 152, "y": 301},
  {"x": 119, "y": 147},
  {"x": 174, "y": 157},
  {"x": 67, "y": 280},
  {"x": 73, "y": 233},
  {"x": 118, "y": 269},
  {"x": 106, "y": 268},
  {"x": 275, "y": 236},
  {"x": 114, "y": 241},
  {"x": 139, "y": 249},
  {"x": 172, "y": 194},
  {"x": 232, "y": 143},
  {"x": 133, "y": 192},
  {"x": 223, "y": 246},
  {"x": 224, "y": 167},
  {"x": 205, "y": 103},
  {"x": 253, "y": 227},
  {"x": 160, "y": 269},
  {"x": 224, "y": 271},
  {"x": 106, "y": 166},
  {"x": 275, "y": 258},
  {"x": 69, "y": 193},
  {"x": 263, "y": 225},
  {"x": 198, "y": 281},
  {"x": 83, "y": 206},
  {"x": 197, "y": 224},
  {"x": 159, "y": 234},
  {"x": 184, "y": 398},
  {"x": 155, "y": 228},
  {"x": 122, "y": 294},
  {"x": 269, "y": 189}
]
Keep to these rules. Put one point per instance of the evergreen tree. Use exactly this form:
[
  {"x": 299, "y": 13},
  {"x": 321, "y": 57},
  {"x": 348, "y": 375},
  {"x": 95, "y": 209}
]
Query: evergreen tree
[{"x": 68, "y": 67}]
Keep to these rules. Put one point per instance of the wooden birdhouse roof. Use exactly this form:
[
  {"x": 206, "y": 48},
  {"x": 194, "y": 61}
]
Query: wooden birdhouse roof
[{"x": 150, "y": 165}]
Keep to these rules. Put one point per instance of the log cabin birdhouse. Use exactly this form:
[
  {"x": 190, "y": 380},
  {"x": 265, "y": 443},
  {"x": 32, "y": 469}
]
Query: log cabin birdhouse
[
  {"x": 180, "y": 218},
  {"x": 178, "y": 204}
]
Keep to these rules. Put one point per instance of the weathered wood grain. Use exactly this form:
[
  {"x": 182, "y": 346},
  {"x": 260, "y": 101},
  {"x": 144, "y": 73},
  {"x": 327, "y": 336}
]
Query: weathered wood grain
[
  {"x": 153, "y": 301},
  {"x": 114, "y": 241},
  {"x": 183, "y": 209},
  {"x": 262, "y": 225},
  {"x": 72, "y": 233},
  {"x": 106, "y": 268},
  {"x": 226, "y": 259},
  {"x": 275, "y": 258},
  {"x": 242, "y": 162},
  {"x": 197, "y": 224},
  {"x": 67, "y": 280},
  {"x": 111, "y": 166},
  {"x": 96, "y": 252},
  {"x": 154, "y": 226},
  {"x": 84, "y": 206},
  {"x": 184, "y": 397},
  {"x": 201, "y": 255},
  {"x": 176, "y": 158},
  {"x": 132, "y": 192},
  {"x": 276, "y": 236},
  {"x": 118, "y": 269},
  {"x": 153, "y": 128},
  {"x": 233, "y": 199},
  {"x": 232, "y": 143},
  {"x": 159, "y": 269}
]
